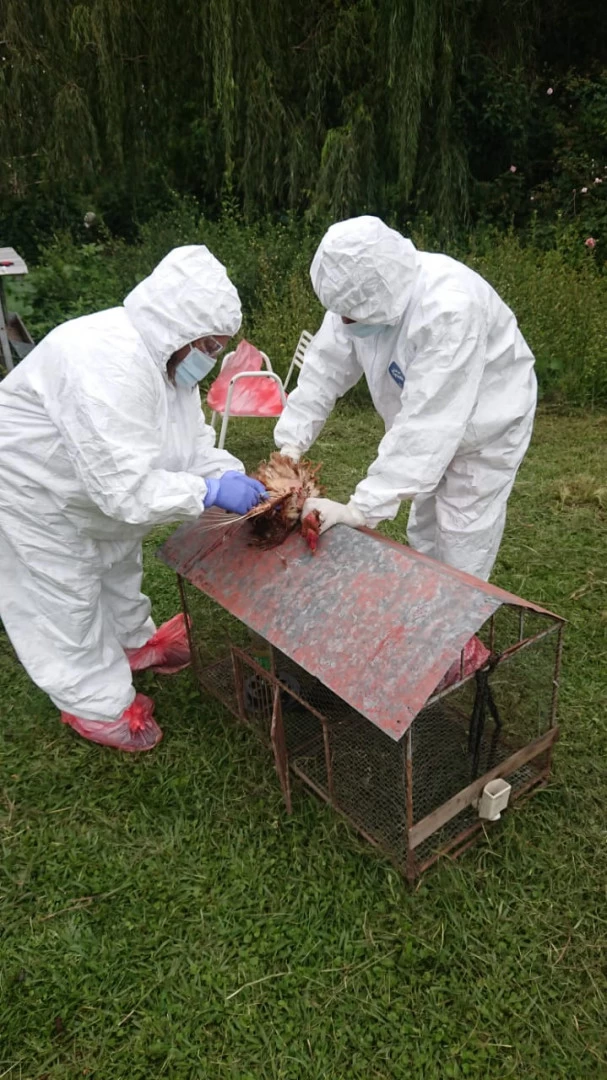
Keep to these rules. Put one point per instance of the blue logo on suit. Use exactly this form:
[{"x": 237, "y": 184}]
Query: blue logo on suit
[{"x": 396, "y": 374}]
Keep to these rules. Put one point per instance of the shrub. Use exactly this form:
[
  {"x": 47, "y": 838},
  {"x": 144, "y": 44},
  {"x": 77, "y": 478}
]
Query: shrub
[
  {"x": 559, "y": 295},
  {"x": 560, "y": 300}
]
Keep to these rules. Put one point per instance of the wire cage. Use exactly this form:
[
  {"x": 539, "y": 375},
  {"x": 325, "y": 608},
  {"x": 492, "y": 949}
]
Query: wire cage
[{"x": 409, "y": 782}]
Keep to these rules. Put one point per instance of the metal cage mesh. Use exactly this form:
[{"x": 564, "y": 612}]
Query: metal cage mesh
[
  {"x": 355, "y": 766},
  {"x": 348, "y": 761}
]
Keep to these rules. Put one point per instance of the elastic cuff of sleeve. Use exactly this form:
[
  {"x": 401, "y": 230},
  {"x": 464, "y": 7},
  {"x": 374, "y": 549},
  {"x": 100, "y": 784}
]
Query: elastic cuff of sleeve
[
  {"x": 358, "y": 518},
  {"x": 292, "y": 452},
  {"x": 212, "y": 492}
]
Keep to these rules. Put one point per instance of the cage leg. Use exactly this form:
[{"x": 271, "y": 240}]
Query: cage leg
[
  {"x": 328, "y": 762},
  {"x": 239, "y": 686},
  {"x": 556, "y": 677},
  {"x": 279, "y": 747},
  {"x": 411, "y": 866},
  {"x": 188, "y": 626}
]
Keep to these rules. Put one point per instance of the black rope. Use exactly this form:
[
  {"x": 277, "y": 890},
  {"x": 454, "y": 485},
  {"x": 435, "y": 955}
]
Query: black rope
[{"x": 484, "y": 703}]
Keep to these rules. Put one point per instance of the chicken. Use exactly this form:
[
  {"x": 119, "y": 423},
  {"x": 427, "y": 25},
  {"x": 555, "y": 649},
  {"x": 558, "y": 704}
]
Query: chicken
[{"x": 288, "y": 484}]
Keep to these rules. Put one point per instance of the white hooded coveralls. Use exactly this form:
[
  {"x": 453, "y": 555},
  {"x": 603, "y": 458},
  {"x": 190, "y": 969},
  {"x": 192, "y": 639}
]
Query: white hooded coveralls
[
  {"x": 449, "y": 373},
  {"x": 96, "y": 448}
]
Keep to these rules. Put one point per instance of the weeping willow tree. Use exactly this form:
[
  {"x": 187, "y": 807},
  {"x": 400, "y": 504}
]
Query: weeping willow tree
[{"x": 335, "y": 106}]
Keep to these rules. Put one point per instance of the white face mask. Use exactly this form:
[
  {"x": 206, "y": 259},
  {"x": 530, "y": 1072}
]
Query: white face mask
[
  {"x": 362, "y": 330},
  {"x": 194, "y": 367}
]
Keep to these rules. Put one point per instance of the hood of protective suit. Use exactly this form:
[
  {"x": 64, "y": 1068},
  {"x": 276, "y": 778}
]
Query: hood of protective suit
[
  {"x": 188, "y": 296},
  {"x": 364, "y": 270}
]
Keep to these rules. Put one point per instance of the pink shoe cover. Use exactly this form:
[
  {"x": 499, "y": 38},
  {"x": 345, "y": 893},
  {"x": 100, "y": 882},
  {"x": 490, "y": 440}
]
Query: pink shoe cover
[
  {"x": 135, "y": 730},
  {"x": 166, "y": 652}
]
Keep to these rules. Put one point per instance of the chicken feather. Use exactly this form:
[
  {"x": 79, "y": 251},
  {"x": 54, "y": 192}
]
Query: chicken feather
[
  {"x": 288, "y": 485},
  {"x": 291, "y": 483}
]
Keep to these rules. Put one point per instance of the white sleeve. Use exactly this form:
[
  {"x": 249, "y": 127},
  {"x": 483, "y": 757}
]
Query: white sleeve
[
  {"x": 438, "y": 398},
  {"x": 329, "y": 370},
  {"x": 107, "y": 415},
  {"x": 208, "y": 460}
]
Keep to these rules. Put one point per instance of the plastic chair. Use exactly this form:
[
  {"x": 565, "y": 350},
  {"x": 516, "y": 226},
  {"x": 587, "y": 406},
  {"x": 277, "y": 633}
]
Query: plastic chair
[
  {"x": 299, "y": 355},
  {"x": 260, "y": 394}
]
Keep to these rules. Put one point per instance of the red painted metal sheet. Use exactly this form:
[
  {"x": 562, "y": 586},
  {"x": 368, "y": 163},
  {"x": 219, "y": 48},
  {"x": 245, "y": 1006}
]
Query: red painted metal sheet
[
  {"x": 502, "y": 595},
  {"x": 376, "y": 622}
]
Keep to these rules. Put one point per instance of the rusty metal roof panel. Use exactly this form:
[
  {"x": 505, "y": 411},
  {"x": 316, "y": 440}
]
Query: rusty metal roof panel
[{"x": 375, "y": 621}]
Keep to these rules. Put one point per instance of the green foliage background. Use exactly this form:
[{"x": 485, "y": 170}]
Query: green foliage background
[
  {"x": 477, "y": 126},
  {"x": 558, "y": 293},
  {"x": 331, "y": 108}
]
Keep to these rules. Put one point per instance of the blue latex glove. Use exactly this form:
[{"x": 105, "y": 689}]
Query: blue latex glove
[{"x": 234, "y": 492}]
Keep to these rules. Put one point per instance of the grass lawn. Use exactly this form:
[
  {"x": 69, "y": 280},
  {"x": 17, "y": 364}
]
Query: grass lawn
[{"x": 162, "y": 917}]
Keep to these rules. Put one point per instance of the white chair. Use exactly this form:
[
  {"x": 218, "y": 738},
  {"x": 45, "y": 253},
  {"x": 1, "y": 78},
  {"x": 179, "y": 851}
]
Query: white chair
[{"x": 299, "y": 355}]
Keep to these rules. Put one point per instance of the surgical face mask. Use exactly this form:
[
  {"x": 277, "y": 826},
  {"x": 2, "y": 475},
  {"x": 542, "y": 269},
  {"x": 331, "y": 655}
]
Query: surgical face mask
[
  {"x": 361, "y": 330},
  {"x": 194, "y": 367}
]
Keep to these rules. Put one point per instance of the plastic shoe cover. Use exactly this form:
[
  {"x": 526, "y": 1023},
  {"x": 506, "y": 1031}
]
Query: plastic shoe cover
[
  {"x": 135, "y": 730},
  {"x": 475, "y": 656},
  {"x": 166, "y": 652}
]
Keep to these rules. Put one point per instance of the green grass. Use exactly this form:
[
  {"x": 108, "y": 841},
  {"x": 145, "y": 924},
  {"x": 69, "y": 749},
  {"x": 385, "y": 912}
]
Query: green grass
[{"x": 162, "y": 917}]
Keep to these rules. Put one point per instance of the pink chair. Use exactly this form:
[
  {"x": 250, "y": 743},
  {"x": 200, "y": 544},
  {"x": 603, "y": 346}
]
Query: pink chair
[{"x": 245, "y": 386}]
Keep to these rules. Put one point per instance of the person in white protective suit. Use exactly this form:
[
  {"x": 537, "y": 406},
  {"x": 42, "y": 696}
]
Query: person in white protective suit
[
  {"x": 449, "y": 373},
  {"x": 102, "y": 437}
]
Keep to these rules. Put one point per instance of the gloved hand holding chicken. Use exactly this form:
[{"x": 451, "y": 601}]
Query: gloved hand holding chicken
[
  {"x": 332, "y": 513},
  {"x": 234, "y": 492},
  {"x": 273, "y": 502},
  {"x": 293, "y": 453}
]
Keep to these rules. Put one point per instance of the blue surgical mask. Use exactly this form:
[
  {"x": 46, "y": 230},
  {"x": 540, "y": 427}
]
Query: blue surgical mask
[
  {"x": 194, "y": 367},
  {"x": 361, "y": 330}
]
